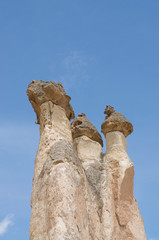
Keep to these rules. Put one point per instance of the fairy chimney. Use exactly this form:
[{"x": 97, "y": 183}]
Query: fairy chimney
[{"x": 78, "y": 191}]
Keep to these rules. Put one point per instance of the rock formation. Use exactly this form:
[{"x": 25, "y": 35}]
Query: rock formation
[{"x": 78, "y": 192}]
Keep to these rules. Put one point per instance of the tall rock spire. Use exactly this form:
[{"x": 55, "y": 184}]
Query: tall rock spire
[
  {"x": 78, "y": 192},
  {"x": 58, "y": 194},
  {"x": 126, "y": 220},
  {"x": 88, "y": 144}
]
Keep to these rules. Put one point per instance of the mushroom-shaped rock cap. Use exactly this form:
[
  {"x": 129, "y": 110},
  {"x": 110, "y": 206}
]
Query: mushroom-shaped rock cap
[
  {"x": 115, "y": 121},
  {"x": 81, "y": 126},
  {"x": 40, "y": 92}
]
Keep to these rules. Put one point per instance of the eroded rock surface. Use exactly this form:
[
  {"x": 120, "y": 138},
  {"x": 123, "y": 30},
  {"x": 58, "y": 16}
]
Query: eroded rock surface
[
  {"x": 122, "y": 204},
  {"x": 78, "y": 192},
  {"x": 60, "y": 204},
  {"x": 81, "y": 126},
  {"x": 115, "y": 121},
  {"x": 40, "y": 92}
]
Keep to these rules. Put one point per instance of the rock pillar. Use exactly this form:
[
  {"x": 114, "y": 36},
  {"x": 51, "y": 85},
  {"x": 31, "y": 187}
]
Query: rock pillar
[
  {"x": 58, "y": 195},
  {"x": 126, "y": 220},
  {"x": 88, "y": 144},
  {"x": 78, "y": 192}
]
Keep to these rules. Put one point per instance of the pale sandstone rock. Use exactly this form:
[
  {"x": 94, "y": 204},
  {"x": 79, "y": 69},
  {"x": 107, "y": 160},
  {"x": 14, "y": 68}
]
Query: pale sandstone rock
[
  {"x": 90, "y": 154},
  {"x": 87, "y": 149},
  {"x": 81, "y": 126},
  {"x": 115, "y": 121},
  {"x": 126, "y": 220},
  {"x": 60, "y": 201},
  {"x": 40, "y": 92},
  {"x": 59, "y": 194},
  {"x": 78, "y": 192}
]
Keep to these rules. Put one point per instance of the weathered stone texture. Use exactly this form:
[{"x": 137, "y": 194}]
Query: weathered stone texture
[
  {"x": 78, "y": 192},
  {"x": 81, "y": 126},
  {"x": 60, "y": 202},
  {"x": 115, "y": 121},
  {"x": 40, "y": 92},
  {"x": 121, "y": 183}
]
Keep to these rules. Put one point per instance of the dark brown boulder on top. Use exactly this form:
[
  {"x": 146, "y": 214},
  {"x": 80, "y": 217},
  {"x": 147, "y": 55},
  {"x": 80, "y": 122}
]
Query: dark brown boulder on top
[
  {"x": 40, "y": 92},
  {"x": 81, "y": 126},
  {"x": 109, "y": 110},
  {"x": 115, "y": 121}
]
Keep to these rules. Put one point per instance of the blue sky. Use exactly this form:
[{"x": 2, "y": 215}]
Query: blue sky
[{"x": 103, "y": 52}]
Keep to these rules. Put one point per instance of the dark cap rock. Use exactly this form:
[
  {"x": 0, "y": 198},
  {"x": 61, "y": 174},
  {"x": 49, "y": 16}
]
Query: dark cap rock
[
  {"x": 81, "y": 126},
  {"x": 115, "y": 121},
  {"x": 40, "y": 92}
]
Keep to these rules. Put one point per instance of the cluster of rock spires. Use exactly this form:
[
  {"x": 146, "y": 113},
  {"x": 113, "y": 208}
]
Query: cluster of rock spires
[{"x": 78, "y": 192}]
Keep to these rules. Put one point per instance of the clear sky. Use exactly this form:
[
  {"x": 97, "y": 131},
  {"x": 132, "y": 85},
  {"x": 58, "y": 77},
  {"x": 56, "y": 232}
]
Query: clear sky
[{"x": 103, "y": 52}]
